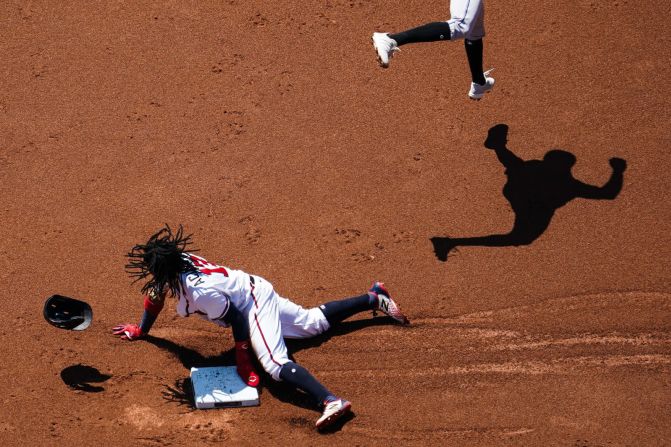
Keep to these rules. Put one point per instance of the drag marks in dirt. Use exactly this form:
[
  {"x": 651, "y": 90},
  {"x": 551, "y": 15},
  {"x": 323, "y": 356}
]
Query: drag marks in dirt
[
  {"x": 589, "y": 312},
  {"x": 440, "y": 435},
  {"x": 565, "y": 336},
  {"x": 529, "y": 368}
]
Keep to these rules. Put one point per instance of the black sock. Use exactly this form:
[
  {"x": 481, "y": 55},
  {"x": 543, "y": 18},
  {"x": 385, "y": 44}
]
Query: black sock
[
  {"x": 294, "y": 374},
  {"x": 337, "y": 311},
  {"x": 426, "y": 33},
  {"x": 474, "y": 56}
]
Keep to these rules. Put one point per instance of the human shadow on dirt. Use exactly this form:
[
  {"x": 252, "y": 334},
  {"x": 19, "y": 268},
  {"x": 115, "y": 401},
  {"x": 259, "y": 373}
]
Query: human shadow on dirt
[
  {"x": 182, "y": 391},
  {"x": 535, "y": 190},
  {"x": 79, "y": 377}
]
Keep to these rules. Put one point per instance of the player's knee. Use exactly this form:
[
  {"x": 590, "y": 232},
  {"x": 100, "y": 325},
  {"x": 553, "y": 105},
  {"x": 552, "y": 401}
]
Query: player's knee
[
  {"x": 466, "y": 29},
  {"x": 272, "y": 362},
  {"x": 273, "y": 369},
  {"x": 460, "y": 29},
  {"x": 317, "y": 323}
]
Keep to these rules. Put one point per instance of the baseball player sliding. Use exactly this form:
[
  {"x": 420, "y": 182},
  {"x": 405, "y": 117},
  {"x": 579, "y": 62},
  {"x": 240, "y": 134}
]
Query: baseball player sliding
[
  {"x": 467, "y": 22},
  {"x": 248, "y": 304}
]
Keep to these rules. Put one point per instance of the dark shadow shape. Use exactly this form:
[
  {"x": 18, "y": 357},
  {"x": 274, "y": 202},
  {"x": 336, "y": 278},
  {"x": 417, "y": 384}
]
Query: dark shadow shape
[
  {"x": 191, "y": 358},
  {"x": 535, "y": 190},
  {"x": 182, "y": 391},
  {"x": 78, "y": 377},
  {"x": 339, "y": 424},
  {"x": 309, "y": 424}
]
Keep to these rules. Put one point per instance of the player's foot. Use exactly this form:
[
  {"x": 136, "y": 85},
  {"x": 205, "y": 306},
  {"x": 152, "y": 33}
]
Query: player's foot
[
  {"x": 478, "y": 91},
  {"x": 386, "y": 304},
  {"x": 385, "y": 47},
  {"x": 333, "y": 411}
]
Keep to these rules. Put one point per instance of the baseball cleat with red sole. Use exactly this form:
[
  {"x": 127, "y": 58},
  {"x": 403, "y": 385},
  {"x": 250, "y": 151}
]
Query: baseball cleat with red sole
[{"x": 386, "y": 304}]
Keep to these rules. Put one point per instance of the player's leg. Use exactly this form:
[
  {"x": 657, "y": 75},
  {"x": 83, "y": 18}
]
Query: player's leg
[
  {"x": 332, "y": 407},
  {"x": 339, "y": 310},
  {"x": 298, "y": 322},
  {"x": 378, "y": 298},
  {"x": 386, "y": 44},
  {"x": 467, "y": 19},
  {"x": 468, "y": 22},
  {"x": 430, "y": 32},
  {"x": 474, "y": 50},
  {"x": 267, "y": 340}
]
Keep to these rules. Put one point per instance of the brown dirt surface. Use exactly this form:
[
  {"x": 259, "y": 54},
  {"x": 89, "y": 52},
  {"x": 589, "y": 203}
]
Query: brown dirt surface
[{"x": 267, "y": 129}]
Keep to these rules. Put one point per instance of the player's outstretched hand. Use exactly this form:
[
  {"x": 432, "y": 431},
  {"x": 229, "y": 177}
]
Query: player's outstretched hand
[
  {"x": 243, "y": 363},
  {"x": 618, "y": 164},
  {"x": 128, "y": 331}
]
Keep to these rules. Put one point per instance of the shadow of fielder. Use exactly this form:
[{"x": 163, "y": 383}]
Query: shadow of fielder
[{"x": 535, "y": 190}]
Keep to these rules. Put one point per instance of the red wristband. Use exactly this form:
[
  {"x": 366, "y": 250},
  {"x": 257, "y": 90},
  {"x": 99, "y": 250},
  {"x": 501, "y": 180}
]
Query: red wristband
[{"x": 153, "y": 307}]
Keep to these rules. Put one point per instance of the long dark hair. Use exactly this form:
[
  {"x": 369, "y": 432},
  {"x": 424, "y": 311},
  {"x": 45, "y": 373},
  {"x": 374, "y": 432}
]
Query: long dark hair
[{"x": 162, "y": 260}]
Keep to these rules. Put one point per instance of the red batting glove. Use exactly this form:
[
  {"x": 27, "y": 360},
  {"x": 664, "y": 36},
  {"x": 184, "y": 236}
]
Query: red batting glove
[
  {"x": 243, "y": 361},
  {"x": 128, "y": 331}
]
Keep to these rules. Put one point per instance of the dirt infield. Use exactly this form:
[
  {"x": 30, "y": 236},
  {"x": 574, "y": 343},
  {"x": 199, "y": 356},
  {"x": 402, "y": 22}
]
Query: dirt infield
[{"x": 267, "y": 129}]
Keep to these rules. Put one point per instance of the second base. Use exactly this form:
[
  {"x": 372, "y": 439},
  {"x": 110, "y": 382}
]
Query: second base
[{"x": 221, "y": 387}]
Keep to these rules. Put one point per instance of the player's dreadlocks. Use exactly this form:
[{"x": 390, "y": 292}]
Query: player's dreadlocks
[{"x": 161, "y": 258}]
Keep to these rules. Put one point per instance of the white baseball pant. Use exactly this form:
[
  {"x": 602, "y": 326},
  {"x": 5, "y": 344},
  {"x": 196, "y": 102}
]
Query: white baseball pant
[
  {"x": 272, "y": 318},
  {"x": 468, "y": 19}
]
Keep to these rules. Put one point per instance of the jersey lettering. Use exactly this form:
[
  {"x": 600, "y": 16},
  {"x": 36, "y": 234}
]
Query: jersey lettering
[{"x": 205, "y": 267}]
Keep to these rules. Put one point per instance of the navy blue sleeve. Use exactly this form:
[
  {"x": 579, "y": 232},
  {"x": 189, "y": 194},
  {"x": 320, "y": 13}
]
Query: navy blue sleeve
[{"x": 238, "y": 323}]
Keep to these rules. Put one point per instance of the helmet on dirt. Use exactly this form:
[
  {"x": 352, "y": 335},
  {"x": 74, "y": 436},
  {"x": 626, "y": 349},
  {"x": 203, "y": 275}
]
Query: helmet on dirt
[{"x": 67, "y": 313}]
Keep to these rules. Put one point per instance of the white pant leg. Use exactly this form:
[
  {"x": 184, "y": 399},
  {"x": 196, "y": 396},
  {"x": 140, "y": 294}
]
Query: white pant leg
[
  {"x": 298, "y": 322},
  {"x": 265, "y": 329},
  {"x": 468, "y": 19}
]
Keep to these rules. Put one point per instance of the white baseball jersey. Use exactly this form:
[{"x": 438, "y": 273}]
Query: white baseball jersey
[
  {"x": 468, "y": 19},
  {"x": 211, "y": 291}
]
